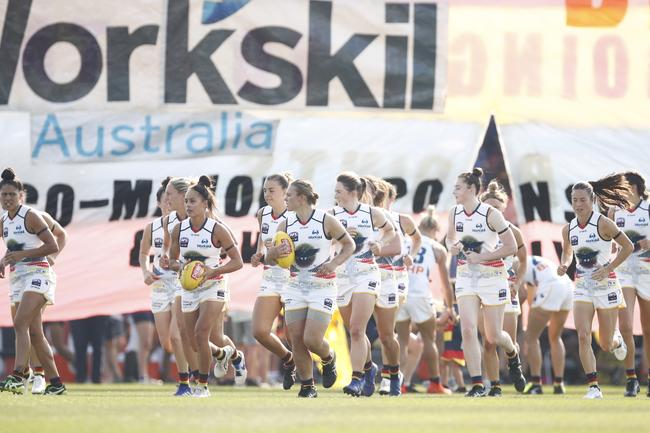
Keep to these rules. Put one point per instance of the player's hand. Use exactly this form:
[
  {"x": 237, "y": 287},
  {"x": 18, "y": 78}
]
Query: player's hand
[
  {"x": 408, "y": 261},
  {"x": 473, "y": 258},
  {"x": 149, "y": 278},
  {"x": 375, "y": 247},
  {"x": 561, "y": 270},
  {"x": 164, "y": 261},
  {"x": 326, "y": 268},
  {"x": 2, "y": 271},
  {"x": 456, "y": 248},
  {"x": 13, "y": 257},
  {"x": 600, "y": 274},
  {"x": 256, "y": 259},
  {"x": 644, "y": 244}
]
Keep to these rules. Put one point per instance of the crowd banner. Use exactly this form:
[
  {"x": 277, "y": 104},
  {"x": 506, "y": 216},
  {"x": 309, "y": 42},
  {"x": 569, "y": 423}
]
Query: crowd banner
[
  {"x": 104, "y": 205},
  {"x": 81, "y": 137},
  {"x": 235, "y": 54},
  {"x": 544, "y": 161}
]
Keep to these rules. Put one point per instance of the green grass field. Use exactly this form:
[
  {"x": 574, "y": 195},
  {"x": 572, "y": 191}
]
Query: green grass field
[{"x": 152, "y": 409}]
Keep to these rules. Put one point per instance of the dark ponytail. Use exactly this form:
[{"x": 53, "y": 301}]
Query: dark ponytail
[
  {"x": 163, "y": 187},
  {"x": 610, "y": 190},
  {"x": 352, "y": 182}
]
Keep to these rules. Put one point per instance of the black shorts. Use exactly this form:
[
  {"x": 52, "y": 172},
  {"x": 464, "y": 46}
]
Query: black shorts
[
  {"x": 142, "y": 316},
  {"x": 114, "y": 328}
]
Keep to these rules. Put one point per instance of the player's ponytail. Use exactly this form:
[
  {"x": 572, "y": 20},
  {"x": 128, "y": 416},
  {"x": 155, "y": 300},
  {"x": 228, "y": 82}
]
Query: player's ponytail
[
  {"x": 611, "y": 190},
  {"x": 204, "y": 187},
  {"x": 473, "y": 178},
  {"x": 306, "y": 189},
  {"x": 429, "y": 221},
  {"x": 634, "y": 178},
  {"x": 495, "y": 191}
]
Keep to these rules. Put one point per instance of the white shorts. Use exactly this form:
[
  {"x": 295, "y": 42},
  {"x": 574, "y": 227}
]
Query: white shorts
[
  {"x": 491, "y": 291},
  {"x": 640, "y": 282},
  {"x": 388, "y": 296},
  {"x": 368, "y": 281},
  {"x": 39, "y": 281},
  {"x": 274, "y": 281},
  {"x": 162, "y": 295},
  {"x": 557, "y": 296},
  {"x": 417, "y": 309},
  {"x": 213, "y": 290},
  {"x": 313, "y": 295},
  {"x": 601, "y": 299}
]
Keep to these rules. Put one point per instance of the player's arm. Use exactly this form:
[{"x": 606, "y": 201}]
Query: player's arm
[
  {"x": 522, "y": 256},
  {"x": 381, "y": 223},
  {"x": 222, "y": 236},
  {"x": 453, "y": 244},
  {"x": 411, "y": 231},
  {"x": 608, "y": 229},
  {"x": 258, "y": 257},
  {"x": 567, "y": 252},
  {"x": 34, "y": 223},
  {"x": 440, "y": 255},
  {"x": 175, "y": 249},
  {"x": 143, "y": 258},
  {"x": 335, "y": 230}
]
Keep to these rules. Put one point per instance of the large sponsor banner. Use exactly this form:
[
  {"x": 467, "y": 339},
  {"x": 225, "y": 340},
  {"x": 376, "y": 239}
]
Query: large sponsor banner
[
  {"x": 104, "y": 205},
  {"x": 544, "y": 161},
  {"x": 197, "y": 54}
]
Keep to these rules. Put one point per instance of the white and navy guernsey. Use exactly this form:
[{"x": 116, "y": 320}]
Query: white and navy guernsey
[
  {"x": 157, "y": 247},
  {"x": 196, "y": 244},
  {"x": 18, "y": 238},
  {"x": 592, "y": 252},
  {"x": 172, "y": 221},
  {"x": 635, "y": 223},
  {"x": 360, "y": 220},
  {"x": 424, "y": 262},
  {"x": 475, "y": 234},
  {"x": 542, "y": 271},
  {"x": 312, "y": 246},
  {"x": 269, "y": 224}
]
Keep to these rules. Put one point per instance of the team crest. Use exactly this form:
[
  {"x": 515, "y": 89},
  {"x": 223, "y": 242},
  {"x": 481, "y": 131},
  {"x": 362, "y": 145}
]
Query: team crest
[
  {"x": 459, "y": 227},
  {"x": 294, "y": 236},
  {"x": 574, "y": 241},
  {"x": 265, "y": 228},
  {"x": 184, "y": 242},
  {"x": 620, "y": 222}
]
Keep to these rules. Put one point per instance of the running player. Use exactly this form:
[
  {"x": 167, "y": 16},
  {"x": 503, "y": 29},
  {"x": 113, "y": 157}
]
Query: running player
[
  {"x": 473, "y": 235},
  {"x": 418, "y": 308},
  {"x": 202, "y": 238},
  {"x": 634, "y": 273},
  {"x": 388, "y": 298},
  {"x": 358, "y": 279},
  {"x": 589, "y": 237},
  {"x": 274, "y": 278},
  {"x": 310, "y": 297},
  {"x": 29, "y": 242},
  {"x": 163, "y": 289},
  {"x": 496, "y": 197},
  {"x": 551, "y": 297}
]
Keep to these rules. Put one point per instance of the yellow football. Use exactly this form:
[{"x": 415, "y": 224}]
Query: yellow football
[
  {"x": 192, "y": 275},
  {"x": 287, "y": 261}
]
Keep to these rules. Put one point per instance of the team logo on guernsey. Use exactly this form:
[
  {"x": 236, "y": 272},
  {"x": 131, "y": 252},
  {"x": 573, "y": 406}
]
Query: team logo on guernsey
[
  {"x": 574, "y": 241},
  {"x": 635, "y": 237},
  {"x": 265, "y": 228},
  {"x": 158, "y": 242},
  {"x": 184, "y": 242},
  {"x": 470, "y": 244},
  {"x": 5, "y": 233},
  {"x": 305, "y": 255},
  {"x": 294, "y": 236},
  {"x": 620, "y": 222},
  {"x": 459, "y": 227},
  {"x": 587, "y": 257}
]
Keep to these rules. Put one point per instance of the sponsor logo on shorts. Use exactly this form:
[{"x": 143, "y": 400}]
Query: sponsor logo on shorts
[
  {"x": 503, "y": 294},
  {"x": 184, "y": 242},
  {"x": 574, "y": 240},
  {"x": 287, "y": 301},
  {"x": 221, "y": 294},
  {"x": 401, "y": 287},
  {"x": 294, "y": 236},
  {"x": 391, "y": 298},
  {"x": 328, "y": 303},
  {"x": 372, "y": 284},
  {"x": 36, "y": 283},
  {"x": 265, "y": 228},
  {"x": 620, "y": 222},
  {"x": 612, "y": 297},
  {"x": 340, "y": 299},
  {"x": 459, "y": 227}
]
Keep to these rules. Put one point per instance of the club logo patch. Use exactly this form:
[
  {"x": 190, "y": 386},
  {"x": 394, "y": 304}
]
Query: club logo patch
[
  {"x": 620, "y": 222},
  {"x": 265, "y": 228},
  {"x": 459, "y": 227},
  {"x": 574, "y": 241},
  {"x": 184, "y": 242}
]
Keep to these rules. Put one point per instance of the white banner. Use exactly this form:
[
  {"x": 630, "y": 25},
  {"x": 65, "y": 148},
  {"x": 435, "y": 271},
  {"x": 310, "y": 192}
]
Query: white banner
[
  {"x": 544, "y": 162},
  {"x": 196, "y": 54},
  {"x": 122, "y": 136},
  {"x": 103, "y": 205}
]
